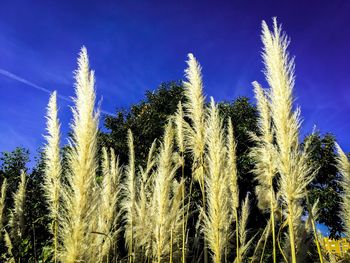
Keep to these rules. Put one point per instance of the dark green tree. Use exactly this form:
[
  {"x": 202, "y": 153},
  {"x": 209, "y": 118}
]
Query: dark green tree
[
  {"x": 11, "y": 165},
  {"x": 146, "y": 120},
  {"x": 326, "y": 185}
]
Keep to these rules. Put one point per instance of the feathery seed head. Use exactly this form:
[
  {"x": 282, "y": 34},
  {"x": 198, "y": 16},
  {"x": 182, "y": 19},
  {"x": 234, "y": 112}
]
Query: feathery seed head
[
  {"x": 17, "y": 214},
  {"x": 79, "y": 195},
  {"x": 2, "y": 202},
  {"x": 292, "y": 162},
  {"x": 52, "y": 183},
  {"x": 194, "y": 110},
  {"x": 217, "y": 217},
  {"x": 344, "y": 169},
  {"x": 232, "y": 165},
  {"x": 179, "y": 124}
]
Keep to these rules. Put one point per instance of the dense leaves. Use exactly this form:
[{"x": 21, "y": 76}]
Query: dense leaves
[{"x": 326, "y": 186}]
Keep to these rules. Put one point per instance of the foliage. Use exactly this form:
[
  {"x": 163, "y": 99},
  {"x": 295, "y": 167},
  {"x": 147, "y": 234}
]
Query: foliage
[{"x": 326, "y": 186}]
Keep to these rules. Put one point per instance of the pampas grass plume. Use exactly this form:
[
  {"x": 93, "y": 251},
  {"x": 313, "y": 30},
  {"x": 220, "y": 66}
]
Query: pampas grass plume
[
  {"x": 293, "y": 164},
  {"x": 2, "y": 202},
  {"x": 79, "y": 195},
  {"x": 344, "y": 168},
  {"x": 217, "y": 217},
  {"x": 52, "y": 184},
  {"x": 194, "y": 110},
  {"x": 17, "y": 213}
]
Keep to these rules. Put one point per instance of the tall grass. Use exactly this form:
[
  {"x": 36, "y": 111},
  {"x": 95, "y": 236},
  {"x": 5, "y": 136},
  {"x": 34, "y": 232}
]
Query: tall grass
[
  {"x": 166, "y": 201},
  {"x": 17, "y": 213},
  {"x": 143, "y": 222},
  {"x": 79, "y": 196},
  {"x": 217, "y": 216},
  {"x": 2, "y": 203},
  {"x": 130, "y": 198},
  {"x": 91, "y": 206},
  {"x": 293, "y": 166},
  {"x": 52, "y": 179},
  {"x": 264, "y": 155},
  {"x": 195, "y": 131},
  {"x": 233, "y": 182},
  {"x": 108, "y": 212},
  {"x": 344, "y": 168},
  {"x": 180, "y": 140}
]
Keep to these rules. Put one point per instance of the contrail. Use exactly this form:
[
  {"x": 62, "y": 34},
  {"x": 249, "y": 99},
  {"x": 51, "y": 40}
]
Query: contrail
[
  {"x": 28, "y": 83},
  {"x": 35, "y": 86}
]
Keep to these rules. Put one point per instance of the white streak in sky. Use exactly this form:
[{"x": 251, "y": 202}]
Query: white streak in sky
[{"x": 35, "y": 86}]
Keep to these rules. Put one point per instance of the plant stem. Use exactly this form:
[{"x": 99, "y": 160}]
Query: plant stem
[
  {"x": 158, "y": 249},
  {"x": 171, "y": 246},
  {"x": 238, "y": 256},
  {"x": 291, "y": 233},
  {"x": 314, "y": 230},
  {"x": 131, "y": 259},
  {"x": 218, "y": 252},
  {"x": 55, "y": 238},
  {"x": 273, "y": 224},
  {"x": 204, "y": 209},
  {"x": 184, "y": 220},
  {"x": 278, "y": 240},
  {"x": 263, "y": 251},
  {"x": 202, "y": 186}
]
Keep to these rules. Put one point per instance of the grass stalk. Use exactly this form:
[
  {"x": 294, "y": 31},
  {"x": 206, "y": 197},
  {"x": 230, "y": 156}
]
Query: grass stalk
[
  {"x": 171, "y": 246},
  {"x": 52, "y": 184},
  {"x": 2, "y": 203},
  {"x": 184, "y": 219},
  {"x": 313, "y": 216},
  {"x": 263, "y": 251},
  {"x": 217, "y": 217},
  {"x": 233, "y": 183},
  {"x": 264, "y": 155},
  {"x": 17, "y": 214},
  {"x": 344, "y": 168},
  {"x": 291, "y": 234},
  {"x": 79, "y": 197},
  {"x": 238, "y": 253},
  {"x": 274, "y": 255},
  {"x": 180, "y": 139},
  {"x": 293, "y": 166},
  {"x": 195, "y": 134}
]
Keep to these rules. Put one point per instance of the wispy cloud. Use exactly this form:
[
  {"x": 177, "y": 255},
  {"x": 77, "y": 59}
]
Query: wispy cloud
[
  {"x": 29, "y": 83},
  {"x": 35, "y": 86}
]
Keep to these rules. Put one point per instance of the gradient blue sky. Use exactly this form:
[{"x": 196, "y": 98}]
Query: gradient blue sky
[{"x": 136, "y": 45}]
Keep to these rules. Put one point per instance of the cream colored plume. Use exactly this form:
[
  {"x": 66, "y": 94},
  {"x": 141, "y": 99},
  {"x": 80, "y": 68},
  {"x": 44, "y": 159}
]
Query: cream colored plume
[
  {"x": 108, "y": 213},
  {"x": 293, "y": 164},
  {"x": 232, "y": 175},
  {"x": 243, "y": 231},
  {"x": 17, "y": 213},
  {"x": 79, "y": 196},
  {"x": 344, "y": 169},
  {"x": 217, "y": 216},
  {"x": 143, "y": 218},
  {"x": 179, "y": 125},
  {"x": 264, "y": 153},
  {"x": 2, "y": 203},
  {"x": 129, "y": 201},
  {"x": 232, "y": 167},
  {"x": 52, "y": 184},
  {"x": 8, "y": 243},
  {"x": 194, "y": 110},
  {"x": 166, "y": 201}
]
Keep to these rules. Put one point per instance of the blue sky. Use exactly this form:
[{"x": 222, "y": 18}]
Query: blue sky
[{"x": 136, "y": 45}]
